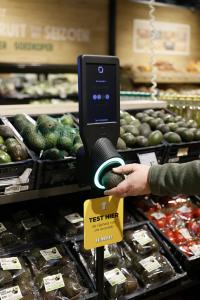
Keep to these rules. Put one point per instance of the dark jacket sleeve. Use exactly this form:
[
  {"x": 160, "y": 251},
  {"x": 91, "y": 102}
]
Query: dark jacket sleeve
[{"x": 173, "y": 179}]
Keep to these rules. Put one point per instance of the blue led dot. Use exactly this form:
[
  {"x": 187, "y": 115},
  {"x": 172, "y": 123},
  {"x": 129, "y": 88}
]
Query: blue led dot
[
  {"x": 99, "y": 97},
  {"x": 107, "y": 96},
  {"x": 94, "y": 97}
]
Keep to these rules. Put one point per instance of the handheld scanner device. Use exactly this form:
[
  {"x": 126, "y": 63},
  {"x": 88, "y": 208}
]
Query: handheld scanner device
[{"x": 99, "y": 112}]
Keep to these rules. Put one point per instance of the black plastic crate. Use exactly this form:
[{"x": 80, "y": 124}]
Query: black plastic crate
[
  {"x": 190, "y": 264},
  {"x": 51, "y": 173},
  {"x": 183, "y": 152},
  {"x": 144, "y": 292},
  {"x": 19, "y": 175}
]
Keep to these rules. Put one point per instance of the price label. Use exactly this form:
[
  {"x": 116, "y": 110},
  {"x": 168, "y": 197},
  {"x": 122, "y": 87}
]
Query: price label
[
  {"x": 148, "y": 159},
  {"x": 150, "y": 264},
  {"x": 185, "y": 233},
  {"x": 103, "y": 221},
  {"x": 30, "y": 223},
  {"x": 53, "y": 282},
  {"x": 142, "y": 237},
  {"x": 182, "y": 152},
  {"x": 195, "y": 250},
  {"x": 158, "y": 215},
  {"x": 51, "y": 253},
  {"x": 115, "y": 277},
  {"x": 74, "y": 218},
  {"x": 184, "y": 209},
  {"x": 12, "y": 293},
  {"x": 2, "y": 228},
  {"x": 10, "y": 263}
]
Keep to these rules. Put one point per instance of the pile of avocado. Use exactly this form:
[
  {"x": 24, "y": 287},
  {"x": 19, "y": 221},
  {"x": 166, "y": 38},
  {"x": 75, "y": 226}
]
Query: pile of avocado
[
  {"x": 151, "y": 128},
  {"x": 52, "y": 138},
  {"x": 10, "y": 149}
]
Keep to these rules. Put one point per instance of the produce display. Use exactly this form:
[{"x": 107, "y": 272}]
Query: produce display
[
  {"x": 151, "y": 128},
  {"x": 51, "y": 138},
  {"x": 8, "y": 238},
  {"x": 130, "y": 265},
  {"x": 10, "y": 149},
  {"x": 56, "y": 276},
  {"x": 179, "y": 219},
  {"x": 15, "y": 280}
]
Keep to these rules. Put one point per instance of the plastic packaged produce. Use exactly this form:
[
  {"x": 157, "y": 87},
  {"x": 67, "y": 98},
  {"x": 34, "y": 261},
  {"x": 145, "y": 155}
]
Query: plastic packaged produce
[
  {"x": 8, "y": 239},
  {"x": 141, "y": 241},
  {"x": 56, "y": 276},
  {"x": 69, "y": 222},
  {"x": 15, "y": 278}
]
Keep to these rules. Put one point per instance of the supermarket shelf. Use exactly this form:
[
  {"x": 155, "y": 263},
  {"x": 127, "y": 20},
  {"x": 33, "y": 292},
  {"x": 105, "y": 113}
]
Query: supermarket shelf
[
  {"x": 168, "y": 77},
  {"x": 43, "y": 193},
  {"x": 70, "y": 106}
]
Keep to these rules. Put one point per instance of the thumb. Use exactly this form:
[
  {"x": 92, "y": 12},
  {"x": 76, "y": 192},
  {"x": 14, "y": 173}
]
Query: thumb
[{"x": 126, "y": 169}]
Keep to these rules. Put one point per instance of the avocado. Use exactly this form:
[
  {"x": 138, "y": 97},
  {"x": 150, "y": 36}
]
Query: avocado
[
  {"x": 164, "y": 128},
  {"x": 129, "y": 139},
  {"x": 172, "y": 126},
  {"x": 4, "y": 157},
  {"x": 168, "y": 118},
  {"x": 141, "y": 141},
  {"x": 179, "y": 130},
  {"x": 132, "y": 129},
  {"x": 17, "y": 151},
  {"x": 140, "y": 115},
  {"x": 181, "y": 124},
  {"x": 20, "y": 122},
  {"x": 191, "y": 124},
  {"x": 146, "y": 119},
  {"x": 46, "y": 124},
  {"x": 51, "y": 139},
  {"x": 149, "y": 111},
  {"x": 121, "y": 145},
  {"x": 65, "y": 143},
  {"x": 36, "y": 141},
  {"x": 123, "y": 122},
  {"x": 122, "y": 131},
  {"x": 67, "y": 120},
  {"x": 3, "y": 147},
  {"x": 197, "y": 135},
  {"x": 6, "y": 132},
  {"x": 155, "y": 138},
  {"x": 154, "y": 122},
  {"x": 160, "y": 114},
  {"x": 177, "y": 118},
  {"x": 187, "y": 136},
  {"x": 1, "y": 140},
  {"x": 135, "y": 122},
  {"x": 111, "y": 179},
  {"x": 172, "y": 137},
  {"x": 145, "y": 129}
]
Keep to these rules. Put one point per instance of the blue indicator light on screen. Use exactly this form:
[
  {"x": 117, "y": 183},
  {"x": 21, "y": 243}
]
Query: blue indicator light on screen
[
  {"x": 94, "y": 97},
  {"x": 107, "y": 96},
  {"x": 99, "y": 97},
  {"x": 100, "y": 69}
]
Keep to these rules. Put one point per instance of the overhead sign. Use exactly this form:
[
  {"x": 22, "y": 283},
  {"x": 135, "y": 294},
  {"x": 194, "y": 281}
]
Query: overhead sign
[
  {"x": 103, "y": 221},
  {"x": 51, "y": 31}
]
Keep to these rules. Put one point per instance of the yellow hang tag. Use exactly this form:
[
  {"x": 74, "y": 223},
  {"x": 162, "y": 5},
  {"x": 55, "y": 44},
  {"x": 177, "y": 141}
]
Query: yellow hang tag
[{"x": 103, "y": 221}]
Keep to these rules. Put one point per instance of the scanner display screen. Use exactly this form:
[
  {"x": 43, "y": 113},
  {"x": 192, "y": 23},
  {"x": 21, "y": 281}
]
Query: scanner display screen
[{"x": 101, "y": 93}]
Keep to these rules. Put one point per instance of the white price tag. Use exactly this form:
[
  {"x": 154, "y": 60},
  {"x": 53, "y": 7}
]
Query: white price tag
[
  {"x": 2, "y": 228},
  {"x": 148, "y": 159},
  {"x": 158, "y": 215},
  {"x": 184, "y": 209},
  {"x": 12, "y": 293},
  {"x": 30, "y": 223},
  {"x": 150, "y": 264},
  {"x": 195, "y": 249},
  {"x": 142, "y": 237},
  {"x": 53, "y": 282},
  {"x": 115, "y": 277},
  {"x": 185, "y": 233},
  {"x": 10, "y": 263},
  {"x": 74, "y": 218},
  {"x": 51, "y": 253},
  {"x": 107, "y": 253}
]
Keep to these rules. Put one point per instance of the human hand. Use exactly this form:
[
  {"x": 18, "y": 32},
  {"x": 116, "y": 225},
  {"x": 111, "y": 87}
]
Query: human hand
[{"x": 135, "y": 183}]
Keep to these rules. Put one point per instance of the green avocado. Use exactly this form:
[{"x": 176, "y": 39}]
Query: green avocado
[
  {"x": 191, "y": 124},
  {"x": 121, "y": 145},
  {"x": 164, "y": 128},
  {"x": 155, "y": 138},
  {"x": 3, "y": 148},
  {"x": 111, "y": 179},
  {"x": 51, "y": 139},
  {"x": 129, "y": 139},
  {"x": 4, "y": 157},
  {"x": 1, "y": 140},
  {"x": 172, "y": 137},
  {"x": 145, "y": 129},
  {"x": 6, "y": 132},
  {"x": 187, "y": 136},
  {"x": 132, "y": 129},
  {"x": 67, "y": 120},
  {"x": 141, "y": 141},
  {"x": 172, "y": 126},
  {"x": 197, "y": 135},
  {"x": 179, "y": 130},
  {"x": 123, "y": 122},
  {"x": 168, "y": 118},
  {"x": 122, "y": 131}
]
